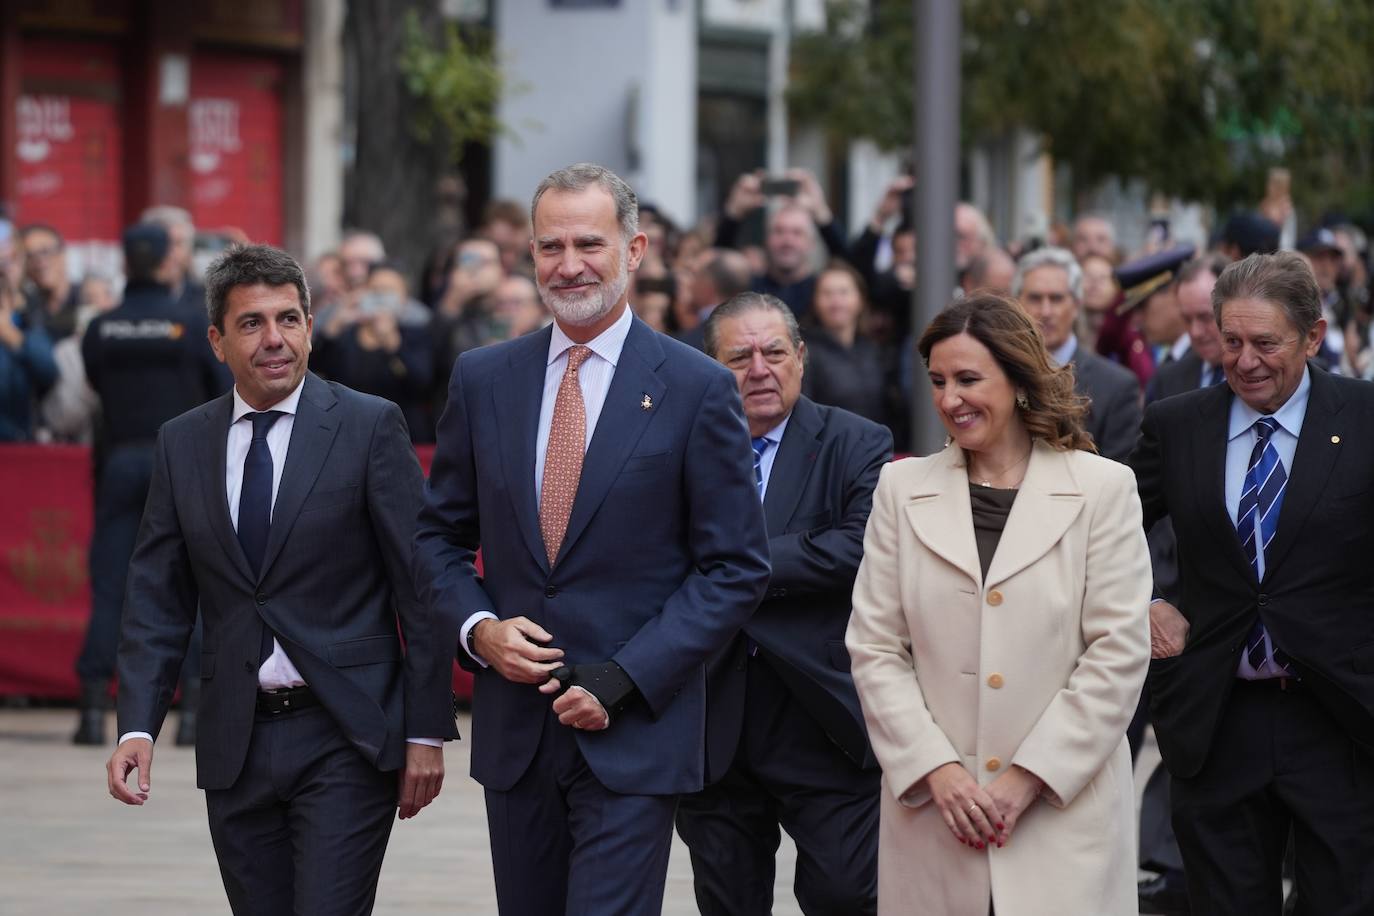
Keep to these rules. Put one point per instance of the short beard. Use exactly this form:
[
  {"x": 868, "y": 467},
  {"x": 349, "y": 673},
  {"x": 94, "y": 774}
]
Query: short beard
[{"x": 588, "y": 309}]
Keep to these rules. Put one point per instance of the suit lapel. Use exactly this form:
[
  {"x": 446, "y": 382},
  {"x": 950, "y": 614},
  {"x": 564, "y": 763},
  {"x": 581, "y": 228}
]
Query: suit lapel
[
  {"x": 212, "y": 448},
  {"x": 1208, "y": 453},
  {"x": 1047, "y": 504},
  {"x": 792, "y": 465},
  {"x": 623, "y": 420},
  {"x": 938, "y": 510},
  {"x": 312, "y": 435},
  {"x": 518, "y": 395},
  {"x": 1311, "y": 469}
]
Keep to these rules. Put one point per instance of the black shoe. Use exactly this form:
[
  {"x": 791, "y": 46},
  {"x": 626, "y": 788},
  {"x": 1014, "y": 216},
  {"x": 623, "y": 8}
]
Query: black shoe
[
  {"x": 1166, "y": 895},
  {"x": 90, "y": 728}
]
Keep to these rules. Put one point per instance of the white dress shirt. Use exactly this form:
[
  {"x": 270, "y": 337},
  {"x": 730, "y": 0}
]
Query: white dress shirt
[
  {"x": 594, "y": 378},
  {"x": 1241, "y": 439},
  {"x": 277, "y": 672},
  {"x": 1178, "y": 348},
  {"x": 1063, "y": 354}
]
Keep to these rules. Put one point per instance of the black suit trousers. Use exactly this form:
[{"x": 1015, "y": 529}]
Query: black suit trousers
[
  {"x": 1279, "y": 760},
  {"x": 785, "y": 772},
  {"x": 305, "y": 826}
]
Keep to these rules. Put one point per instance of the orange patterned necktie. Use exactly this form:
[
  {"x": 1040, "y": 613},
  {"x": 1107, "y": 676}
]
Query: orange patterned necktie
[{"x": 563, "y": 460}]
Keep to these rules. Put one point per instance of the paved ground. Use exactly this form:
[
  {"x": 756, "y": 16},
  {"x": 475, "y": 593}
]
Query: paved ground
[{"x": 68, "y": 849}]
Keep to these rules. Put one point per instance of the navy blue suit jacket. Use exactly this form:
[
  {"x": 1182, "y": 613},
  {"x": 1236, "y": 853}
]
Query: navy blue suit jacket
[
  {"x": 820, "y": 493},
  {"x": 664, "y": 558}
]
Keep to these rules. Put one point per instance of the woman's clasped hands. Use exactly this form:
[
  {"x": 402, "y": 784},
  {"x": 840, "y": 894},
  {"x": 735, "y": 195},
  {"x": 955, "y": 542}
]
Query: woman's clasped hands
[{"x": 981, "y": 817}]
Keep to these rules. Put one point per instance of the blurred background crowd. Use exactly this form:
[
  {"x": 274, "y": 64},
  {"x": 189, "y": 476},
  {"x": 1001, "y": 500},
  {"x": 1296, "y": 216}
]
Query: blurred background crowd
[{"x": 392, "y": 323}]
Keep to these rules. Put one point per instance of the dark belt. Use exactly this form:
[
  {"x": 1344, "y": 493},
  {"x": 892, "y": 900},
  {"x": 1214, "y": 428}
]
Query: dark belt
[
  {"x": 1284, "y": 684},
  {"x": 289, "y": 699}
]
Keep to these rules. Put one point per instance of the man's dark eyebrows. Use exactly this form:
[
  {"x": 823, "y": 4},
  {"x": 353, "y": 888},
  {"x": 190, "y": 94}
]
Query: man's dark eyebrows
[{"x": 590, "y": 239}]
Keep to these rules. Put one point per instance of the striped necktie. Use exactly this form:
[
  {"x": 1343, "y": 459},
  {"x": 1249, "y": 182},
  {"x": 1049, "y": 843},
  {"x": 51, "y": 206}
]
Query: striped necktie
[
  {"x": 1258, "y": 513},
  {"x": 760, "y": 446}
]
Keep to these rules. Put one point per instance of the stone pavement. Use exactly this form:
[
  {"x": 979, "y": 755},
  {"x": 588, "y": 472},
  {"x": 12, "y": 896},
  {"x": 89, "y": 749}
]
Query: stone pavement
[{"x": 68, "y": 849}]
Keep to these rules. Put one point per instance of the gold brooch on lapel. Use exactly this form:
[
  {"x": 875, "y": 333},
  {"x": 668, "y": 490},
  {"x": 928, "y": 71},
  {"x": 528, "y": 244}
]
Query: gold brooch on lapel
[
  {"x": 1335, "y": 440},
  {"x": 647, "y": 403}
]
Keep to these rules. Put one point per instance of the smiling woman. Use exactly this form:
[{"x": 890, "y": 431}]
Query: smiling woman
[{"x": 1015, "y": 558}]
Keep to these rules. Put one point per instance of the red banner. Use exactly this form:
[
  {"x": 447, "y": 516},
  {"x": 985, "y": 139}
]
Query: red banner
[{"x": 45, "y": 597}]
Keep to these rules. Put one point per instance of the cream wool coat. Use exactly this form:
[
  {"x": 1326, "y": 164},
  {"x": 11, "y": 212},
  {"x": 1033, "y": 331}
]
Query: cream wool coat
[{"x": 1040, "y": 666}]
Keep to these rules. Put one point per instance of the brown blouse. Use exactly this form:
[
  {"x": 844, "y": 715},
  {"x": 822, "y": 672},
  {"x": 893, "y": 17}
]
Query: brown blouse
[{"x": 991, "y": 506}]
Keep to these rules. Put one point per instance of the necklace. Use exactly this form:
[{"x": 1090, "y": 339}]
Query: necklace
[{"x": 987, "y": 481}]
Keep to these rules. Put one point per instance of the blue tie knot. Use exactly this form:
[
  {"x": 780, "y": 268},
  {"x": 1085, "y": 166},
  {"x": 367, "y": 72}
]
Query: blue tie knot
[
  {"x": 262, "y": 422},
  {"x": 760, "y": 446},
  {"x": 1265, "y": 427}
]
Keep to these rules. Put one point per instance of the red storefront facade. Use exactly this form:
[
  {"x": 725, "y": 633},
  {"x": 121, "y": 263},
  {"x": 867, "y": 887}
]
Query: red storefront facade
[{"x": 111, "y": 106}]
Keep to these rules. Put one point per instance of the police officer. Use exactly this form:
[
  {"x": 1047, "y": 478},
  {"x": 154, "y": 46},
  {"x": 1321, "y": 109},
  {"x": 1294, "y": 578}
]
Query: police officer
[{"x": 149, "y": 360}]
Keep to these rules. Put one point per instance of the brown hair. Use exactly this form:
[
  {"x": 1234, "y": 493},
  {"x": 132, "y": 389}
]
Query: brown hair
[{"x": 1054, "y": 411}]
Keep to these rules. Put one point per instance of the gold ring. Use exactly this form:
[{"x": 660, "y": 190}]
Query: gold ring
[{"x": 974, "y": 807}]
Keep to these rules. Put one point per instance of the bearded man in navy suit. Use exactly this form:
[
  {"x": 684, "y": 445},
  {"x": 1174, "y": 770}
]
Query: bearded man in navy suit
[{"x": 605, "y": 472}]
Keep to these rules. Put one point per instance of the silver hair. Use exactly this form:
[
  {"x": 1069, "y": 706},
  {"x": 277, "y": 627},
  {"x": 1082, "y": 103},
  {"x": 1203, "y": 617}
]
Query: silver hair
[
  {"x": 1050, "y": 257},
  {"x": 583, "y": 175}
]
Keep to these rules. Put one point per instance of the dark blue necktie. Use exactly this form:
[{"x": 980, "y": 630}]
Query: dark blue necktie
[
  {"x": 1216, "y": 377},
  {"x": 255, "y": 498},
  {"x": 760, "y": 446},
  {"x": 1260, "y": 504}
]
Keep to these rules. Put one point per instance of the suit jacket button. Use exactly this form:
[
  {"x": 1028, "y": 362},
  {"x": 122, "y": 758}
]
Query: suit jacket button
[
  {"x": 994, "y": 764},
  {"x": 995, "y": 598},
  {"x": 550, "y": 592},
  {"x": 260, "y": 599},
  {"x": 995, "y": 681},
  {"x": 1263, "y": 600},
  {"x": 248, "y": 665}
]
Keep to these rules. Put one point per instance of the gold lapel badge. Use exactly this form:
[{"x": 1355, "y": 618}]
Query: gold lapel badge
[
  {"x": 1335, "y": 440},
  {"x": 647, "y": 403}
]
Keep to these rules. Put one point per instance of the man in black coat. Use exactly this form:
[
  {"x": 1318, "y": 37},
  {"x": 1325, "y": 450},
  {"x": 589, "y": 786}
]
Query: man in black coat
[
  {"x": 786, "y": 744},
  {"x": 1049, "y": 284},
  {"x": 1262, "y": 679}
]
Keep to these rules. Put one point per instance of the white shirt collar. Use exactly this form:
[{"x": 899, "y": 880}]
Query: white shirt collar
[
  {"x": 1063, "y": 354},
  {"x": 606, "y": 345},
  {"x": 285, "y": 405},
  {"x": 1181, "y": 346},
  {"x": 774, "y": 435},
  {"x": 1289, "y": 416}
]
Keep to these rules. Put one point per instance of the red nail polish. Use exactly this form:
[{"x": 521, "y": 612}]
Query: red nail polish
[
  {"x": 1001, "y": 826},
  {"x": 980, "y": 845}
]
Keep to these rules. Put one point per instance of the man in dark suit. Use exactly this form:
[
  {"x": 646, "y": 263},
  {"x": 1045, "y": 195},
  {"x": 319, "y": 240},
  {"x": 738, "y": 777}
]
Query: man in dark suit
[
  {"x": 785, "y": 738},
  {"x": 1049, "y": 284},
  {"x": 605, "y": 472},
  {"x": 286, "y": 508},
  {"x": 1262, "y": 683}
]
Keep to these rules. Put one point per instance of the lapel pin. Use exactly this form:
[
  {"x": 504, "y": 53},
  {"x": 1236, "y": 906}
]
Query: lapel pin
[
  {"x": 1335, "y": 440},
  {"x": 647, "y": 403}
]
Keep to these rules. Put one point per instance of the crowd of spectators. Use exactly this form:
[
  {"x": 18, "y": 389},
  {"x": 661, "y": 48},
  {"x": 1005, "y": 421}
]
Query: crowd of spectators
[{"x": 393, "y": 323}]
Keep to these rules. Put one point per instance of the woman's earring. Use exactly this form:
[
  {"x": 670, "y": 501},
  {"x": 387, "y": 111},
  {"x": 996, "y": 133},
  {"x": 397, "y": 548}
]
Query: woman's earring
[{"x": 1021, "y": 401}]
